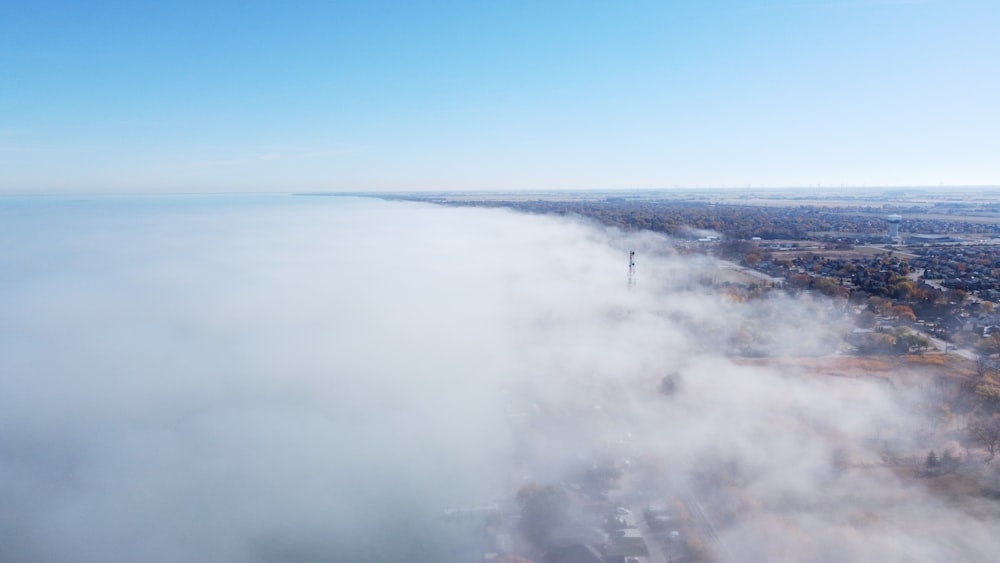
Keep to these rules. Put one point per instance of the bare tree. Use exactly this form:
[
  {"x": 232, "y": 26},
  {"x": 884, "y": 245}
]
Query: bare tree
[
  {"x": 986, "y": 433},
  {"x": 982, "y": 366},
  {"x": 932, "y": 462},
  {"x": 991, "y": 345},
  {"x": 543, "y": 511}
]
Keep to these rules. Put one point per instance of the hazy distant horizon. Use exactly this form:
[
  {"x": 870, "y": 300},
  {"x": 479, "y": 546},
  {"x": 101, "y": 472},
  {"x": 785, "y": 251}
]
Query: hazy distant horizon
[{"x": 498, "y": 191}]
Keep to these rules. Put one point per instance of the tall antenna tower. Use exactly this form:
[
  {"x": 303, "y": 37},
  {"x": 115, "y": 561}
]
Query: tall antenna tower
[
  {"x": 631, "y": 268},
  {"x": 894, "y": 221}
]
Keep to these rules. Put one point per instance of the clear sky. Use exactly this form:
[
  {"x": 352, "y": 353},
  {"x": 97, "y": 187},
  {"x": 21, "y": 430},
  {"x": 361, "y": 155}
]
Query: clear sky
[{"x": 497, "y": 94}]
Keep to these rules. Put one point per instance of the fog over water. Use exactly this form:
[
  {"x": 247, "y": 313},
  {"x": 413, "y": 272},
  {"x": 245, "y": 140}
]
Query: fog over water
[{"x": 305, "y": 378}]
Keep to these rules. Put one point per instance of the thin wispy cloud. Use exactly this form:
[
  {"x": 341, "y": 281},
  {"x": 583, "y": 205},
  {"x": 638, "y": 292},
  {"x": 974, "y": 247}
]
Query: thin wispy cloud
[
  {"x": 799, "y": 5},
  {"x": 284, "y": 152},
  {"x": 61, "y": 55},
  {"x": 266, "y": 154}
]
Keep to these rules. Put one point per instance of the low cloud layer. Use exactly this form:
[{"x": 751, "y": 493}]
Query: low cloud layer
[{"x": 279, "y": 379}]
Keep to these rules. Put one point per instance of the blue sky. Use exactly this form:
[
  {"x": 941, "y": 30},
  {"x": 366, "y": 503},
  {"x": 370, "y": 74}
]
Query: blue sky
[{"x": 497, "y": 94}]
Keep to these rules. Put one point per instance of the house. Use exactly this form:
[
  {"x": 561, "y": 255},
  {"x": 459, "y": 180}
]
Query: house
[{"x": 577, "y": 553}]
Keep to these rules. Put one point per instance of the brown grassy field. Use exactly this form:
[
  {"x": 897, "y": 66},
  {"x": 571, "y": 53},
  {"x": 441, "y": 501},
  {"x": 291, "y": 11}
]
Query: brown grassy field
[{"x": 885, "y": 367}]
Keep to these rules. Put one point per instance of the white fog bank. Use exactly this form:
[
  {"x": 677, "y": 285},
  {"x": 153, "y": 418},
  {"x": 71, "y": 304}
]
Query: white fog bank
[{"x": 316, "y": 379}]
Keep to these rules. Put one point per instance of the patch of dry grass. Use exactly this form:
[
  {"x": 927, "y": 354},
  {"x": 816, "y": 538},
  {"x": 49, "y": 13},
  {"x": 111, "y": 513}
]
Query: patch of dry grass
[{"x": 870, "y": 366}]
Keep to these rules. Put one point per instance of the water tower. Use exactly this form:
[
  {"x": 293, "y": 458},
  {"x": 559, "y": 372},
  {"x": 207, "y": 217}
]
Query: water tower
[{"x": 893, "y": 221}]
